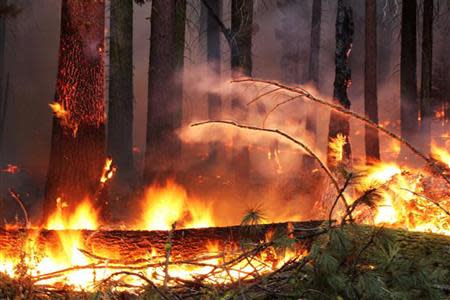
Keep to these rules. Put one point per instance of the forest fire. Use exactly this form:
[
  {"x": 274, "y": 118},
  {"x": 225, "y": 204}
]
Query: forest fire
[
  {"x": 180, "y": 175},
  {"x": 65, "y": 262}
]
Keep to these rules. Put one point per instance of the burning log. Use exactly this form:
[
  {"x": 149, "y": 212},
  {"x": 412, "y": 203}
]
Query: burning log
[{"x": 127, "y": 245}]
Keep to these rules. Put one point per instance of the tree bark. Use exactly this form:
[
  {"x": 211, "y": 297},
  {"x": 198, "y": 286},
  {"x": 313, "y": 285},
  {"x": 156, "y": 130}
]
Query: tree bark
[
  {"x": 163, "y": 146},
  {"x": 427, "y": 74},
  {"x": 120, "y": 111},
  {"x": 408, "y": 76},
  {"x": 370, "y": 82},
  {"x": 241, "y": 65},
  {"x": 77, "y": 153},
  {"x": 339, "y": 124}
]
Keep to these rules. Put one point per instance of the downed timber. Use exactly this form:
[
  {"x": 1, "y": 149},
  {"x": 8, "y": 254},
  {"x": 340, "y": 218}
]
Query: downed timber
[{"x": 126, "y": 245}]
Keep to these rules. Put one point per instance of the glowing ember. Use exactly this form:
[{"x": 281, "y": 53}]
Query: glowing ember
[{"x": 10, "y": 169}]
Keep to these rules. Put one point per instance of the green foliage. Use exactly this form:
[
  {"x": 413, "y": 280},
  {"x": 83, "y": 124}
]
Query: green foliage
[{"x": 350, "y": 267}]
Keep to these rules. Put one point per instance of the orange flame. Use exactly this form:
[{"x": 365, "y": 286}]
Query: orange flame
[
  {"x": 336, "y": 146},
  {"x": 169, "y": 204}
]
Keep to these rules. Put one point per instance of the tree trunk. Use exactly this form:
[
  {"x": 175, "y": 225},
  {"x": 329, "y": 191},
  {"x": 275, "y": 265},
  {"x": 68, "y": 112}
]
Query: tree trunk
[
  {"x": 242, "y": 30},
  {"x": 316, "y": 20},
  {"x": 241, "y": 65},
  {"x": 134, "y": 245},
  {"x": 408, "y": 84},
  {"x": 164, "y": 106},
  {"x": 3, "y": 95},
  {"x": 313, "y": 70},
  {"x": 370, "y": 82},
  {"x": 214, "y": 57},
  {"x": 339, "y": 124},
  {"x": 427, "y": 72},
  {"x": 120, "y": 112},
  {"x": 77, "y": 153}
]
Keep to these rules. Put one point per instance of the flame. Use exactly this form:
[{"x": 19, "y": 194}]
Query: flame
[
  {"x": 108, "y": 171},
  {"x": 336, "y": 146},
  {"x": 406, "y": 198},
  {"x": 84, "y": 217},
  {"x": 64, "y": 117},
  {"x": 169, "y": 204},
  {"x": 440, "y": 154}
]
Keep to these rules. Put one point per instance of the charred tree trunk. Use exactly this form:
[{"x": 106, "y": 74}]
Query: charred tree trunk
[
  {"x": 164, "y": 107},
  {"x": 120, "y": 111},
  {"x": 427, "y": 72},
  {"x": 339, "y": 124},
  {"x": 214, "y": 57},
  {"x": 408, "y": 78},
  {"x": 77, "y": 153},
  {"x": 370, "y": 82},
  {"x": 241, "y": 65}
]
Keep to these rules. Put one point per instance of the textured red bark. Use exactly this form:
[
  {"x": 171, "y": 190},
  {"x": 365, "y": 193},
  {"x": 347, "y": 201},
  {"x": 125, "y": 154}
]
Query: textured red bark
[{"x": 78, "y": 144}]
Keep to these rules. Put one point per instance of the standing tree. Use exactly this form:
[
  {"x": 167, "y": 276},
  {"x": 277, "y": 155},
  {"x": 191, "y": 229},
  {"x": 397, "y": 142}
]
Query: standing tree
[
  {"x": 408, "y": 84},
  {"x": 370, "y": 82},
  {"x": 120, "y": 111},
  {"x": 339, "y": 127},
  {"x": 316, "y": 22},
  {"x": 3, "y": 95},
  {"x": 6, "y": 10},
  {"x": 427, "y": 72},
  {"x": 241, "y": 65},
  {"x": 163, "y": 146},
  {"x": 313, "y": 70},
  {"x": 213, "y": 57},
  {"x": 77, "y": 154}
]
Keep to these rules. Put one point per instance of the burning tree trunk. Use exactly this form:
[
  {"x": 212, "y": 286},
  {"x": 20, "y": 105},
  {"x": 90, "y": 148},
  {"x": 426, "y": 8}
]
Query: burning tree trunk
[
  {"x": 241, "y": 65},
  {"x": 339, "y": 125},
  {"x": 164, "y": 104},
  {"x": 120, "y": 111},
  {"x": 213, "y": 58},
  {"x": 408, "y": 84},
  {"x": 77, "y": 152},
  {"x": 130, "y": 246},
  {"x": 370, "y": 82},
  {"x": 427, "y": 72}
]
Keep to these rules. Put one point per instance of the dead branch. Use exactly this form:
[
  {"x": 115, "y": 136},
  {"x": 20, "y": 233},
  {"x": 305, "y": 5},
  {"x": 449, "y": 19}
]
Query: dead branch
[
  {"x": 16, "y": 197},
  {"x": 338, "y": 108},
  {"x": 288, "y": 137}
]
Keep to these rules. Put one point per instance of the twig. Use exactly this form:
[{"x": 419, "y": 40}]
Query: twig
[
  {"x": 429, "y": 199},
  {"x": 16, "y": 197},
  {"x": 148, "y": 281},
  {"x": 169, "y": 246},
  {"x": 288, "y": 137}
]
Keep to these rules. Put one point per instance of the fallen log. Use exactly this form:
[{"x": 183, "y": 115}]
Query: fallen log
[{"x": 126, "y": 245}]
